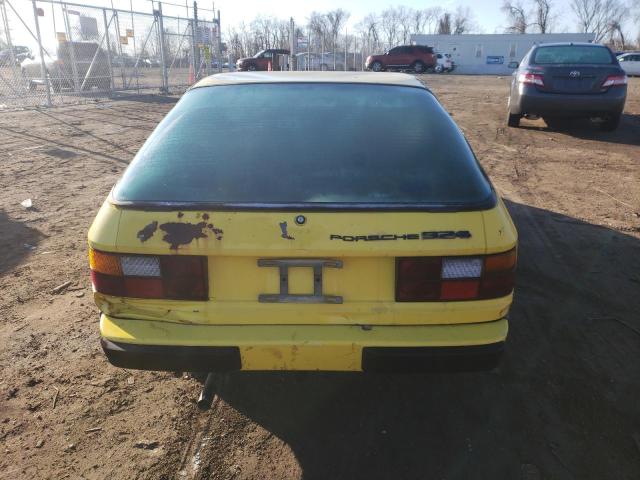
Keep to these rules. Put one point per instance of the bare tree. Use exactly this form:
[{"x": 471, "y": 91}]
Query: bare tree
[
  {"x": 389, "y": 25},
  {"x": 336, "y": 19},
  {"x": 405, "y": 22},
  {"x": 616, "y": 35},
  {"x": 516, "y": 16},
  {"x": 432, "y": 18},
  {"x": 444, "y": 24},
  {"x": 462, "y": 20},
  {"x": 543, "y": 18},
  {"x": 599, "y": 16},
  {"x": 369, "y": 30}
]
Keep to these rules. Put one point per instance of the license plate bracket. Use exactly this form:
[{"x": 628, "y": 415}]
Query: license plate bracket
[{"x": 283, "y": 265}]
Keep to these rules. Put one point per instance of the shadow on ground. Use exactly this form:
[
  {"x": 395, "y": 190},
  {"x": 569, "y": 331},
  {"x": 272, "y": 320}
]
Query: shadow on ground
[
  {"x": 16, "y": 242},
  {"x": 627, "y": 133},
  {"x": 563, "y": 404}
]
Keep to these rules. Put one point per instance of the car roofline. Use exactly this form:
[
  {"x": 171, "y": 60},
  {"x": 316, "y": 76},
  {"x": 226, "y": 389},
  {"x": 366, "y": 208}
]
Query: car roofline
[
  {"x": 367, "y": 78},
  {"x": 568, "y": 44}
]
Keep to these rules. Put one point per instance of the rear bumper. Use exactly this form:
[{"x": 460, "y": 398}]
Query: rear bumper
[
  {"x": 152, "y": 345},
  {"x": 529, "y": 100}
]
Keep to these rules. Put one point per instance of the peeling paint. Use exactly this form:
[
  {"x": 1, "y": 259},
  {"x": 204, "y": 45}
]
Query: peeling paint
[
  {"x": 285, "y": 233},
  {"x": 147, "y": 232},
  {"x": 178, "y": 233}
]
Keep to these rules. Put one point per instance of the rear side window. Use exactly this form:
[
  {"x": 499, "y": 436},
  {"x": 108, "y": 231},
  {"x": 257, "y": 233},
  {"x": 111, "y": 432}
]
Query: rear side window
[
  {"x": 572, "y": 54},
  {"x": 306, "y": 143}
]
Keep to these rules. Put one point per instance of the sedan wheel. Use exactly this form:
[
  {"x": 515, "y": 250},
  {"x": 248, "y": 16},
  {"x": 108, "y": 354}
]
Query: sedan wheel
[
  {"x": 610, "y": 123},
  {"x": 376, "y": 67},
  {"x": 252, "y": 68}
]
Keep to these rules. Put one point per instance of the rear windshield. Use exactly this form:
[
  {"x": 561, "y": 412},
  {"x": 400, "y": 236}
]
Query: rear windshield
[
  {"x": 305, "y": 143},
  {"x": 572, "y": 54}
]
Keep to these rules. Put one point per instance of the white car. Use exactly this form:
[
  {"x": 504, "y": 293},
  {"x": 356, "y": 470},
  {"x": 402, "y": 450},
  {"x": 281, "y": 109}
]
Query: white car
[
  {"x": 630, "y": 63},
  {"x": 444, "y": 63}
]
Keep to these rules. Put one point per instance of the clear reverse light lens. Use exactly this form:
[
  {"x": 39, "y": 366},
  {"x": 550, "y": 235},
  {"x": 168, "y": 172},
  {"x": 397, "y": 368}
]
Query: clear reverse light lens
[
  {"x": 140, "y": 266},
  {"x": 460, "y": 268}
]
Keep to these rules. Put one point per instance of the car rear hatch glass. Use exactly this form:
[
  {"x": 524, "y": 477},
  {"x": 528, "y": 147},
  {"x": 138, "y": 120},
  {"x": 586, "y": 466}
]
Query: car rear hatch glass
[
  {"x": 315, "y": 145},
  {"x": 574, "y": 69}
]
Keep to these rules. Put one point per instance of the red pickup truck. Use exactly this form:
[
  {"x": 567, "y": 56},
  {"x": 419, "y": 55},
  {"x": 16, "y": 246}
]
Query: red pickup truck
[{"x": 418, "y": 58}]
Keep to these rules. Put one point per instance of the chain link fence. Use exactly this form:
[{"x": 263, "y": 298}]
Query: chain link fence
[{"x": 56, "y": 53}]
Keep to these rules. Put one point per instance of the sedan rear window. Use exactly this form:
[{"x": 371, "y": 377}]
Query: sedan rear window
[
  {"x": 572, "y": 54},
  {"x": 306, "y": 143}
]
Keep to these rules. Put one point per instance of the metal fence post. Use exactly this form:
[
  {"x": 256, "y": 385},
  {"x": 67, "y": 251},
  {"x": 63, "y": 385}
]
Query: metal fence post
[
  {"x": 74, "y": 66},
  {"x": 106, "y": 30},
  {"x": 43, "y": 67},
  {"x": 219, "y": 42},
  {"x": 12, "y": 57},
  {"x": 193, "y": 50},
  {"x": 165, "y": 80},
  {"x": 292, "y": 44}
]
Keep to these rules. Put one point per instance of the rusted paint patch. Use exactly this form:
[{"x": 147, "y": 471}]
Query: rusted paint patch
[
  {"x": 147, "y": 232},
  {"x": 285, "y": 233},
  {"x": 178, "y": 233}
]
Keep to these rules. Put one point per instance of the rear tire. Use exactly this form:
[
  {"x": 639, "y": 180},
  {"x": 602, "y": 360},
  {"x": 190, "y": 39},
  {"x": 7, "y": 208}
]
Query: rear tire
[
  {"x": 610, "y": 122},
  {"x": 556, "y": 123},
  {"x": 419, "y": 68},
  {"x": 513, "y": 120}
]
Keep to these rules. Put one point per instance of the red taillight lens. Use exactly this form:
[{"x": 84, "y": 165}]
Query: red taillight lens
[
  {"x": 108, "y": 284},
  {"x": 176, "y": 277},
  {"x": 429, "y": 279},
  {"x": 531, "y": 78},
  {"x": 613, "y": 80},
  {"x": 418, "y": 279},
  {"x": 184, "y": 277}
]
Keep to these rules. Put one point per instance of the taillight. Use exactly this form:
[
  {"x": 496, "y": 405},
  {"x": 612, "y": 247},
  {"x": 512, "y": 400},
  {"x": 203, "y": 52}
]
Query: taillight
[
  {"x": 436, "y": 279},
  {"x": 531, "y": 78},
  {"x": 176, "y": 277},
  {"x": 613, "y": 80}
]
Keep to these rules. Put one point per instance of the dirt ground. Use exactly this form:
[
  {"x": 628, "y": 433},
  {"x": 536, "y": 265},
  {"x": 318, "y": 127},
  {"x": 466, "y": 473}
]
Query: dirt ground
[{"x": 564, "y": 404}]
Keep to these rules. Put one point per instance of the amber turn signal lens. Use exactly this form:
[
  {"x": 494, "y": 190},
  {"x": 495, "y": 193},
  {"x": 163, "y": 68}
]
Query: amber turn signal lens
[
  {"x": 104, "y": 263},
  {"x": 500, "y": 262}
]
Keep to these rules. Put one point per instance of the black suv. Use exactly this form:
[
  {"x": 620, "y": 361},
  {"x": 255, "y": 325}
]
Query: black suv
[{"x": 559, "y": 81}]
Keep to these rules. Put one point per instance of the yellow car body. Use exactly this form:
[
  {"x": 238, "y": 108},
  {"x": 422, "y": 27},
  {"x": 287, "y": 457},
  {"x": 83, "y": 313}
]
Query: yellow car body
[{"x": 343, "y": 314}]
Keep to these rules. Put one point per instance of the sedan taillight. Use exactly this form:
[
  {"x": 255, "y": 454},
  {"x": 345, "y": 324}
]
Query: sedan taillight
[
  {"x": 613, "y": 80},
  {"x": 531, "y": 78},
  {"x": 437, "y": 279},
  {"x": 176, "y": 277}
]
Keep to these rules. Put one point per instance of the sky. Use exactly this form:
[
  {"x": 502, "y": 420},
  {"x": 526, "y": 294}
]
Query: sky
[{"x": 487, "y": 15}]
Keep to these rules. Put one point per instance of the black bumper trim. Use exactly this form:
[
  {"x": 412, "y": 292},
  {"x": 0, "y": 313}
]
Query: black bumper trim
[
  {"x": 472, "y": 358},
  {"x": 172, "y": 358}
]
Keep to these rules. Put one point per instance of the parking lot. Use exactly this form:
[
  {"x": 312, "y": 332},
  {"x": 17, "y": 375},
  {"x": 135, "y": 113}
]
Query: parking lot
[{"x": 564, "y": 403}]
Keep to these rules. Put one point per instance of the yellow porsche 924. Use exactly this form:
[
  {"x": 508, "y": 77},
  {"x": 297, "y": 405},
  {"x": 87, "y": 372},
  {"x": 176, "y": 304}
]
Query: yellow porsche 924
[{"x": 304, "y": 221}]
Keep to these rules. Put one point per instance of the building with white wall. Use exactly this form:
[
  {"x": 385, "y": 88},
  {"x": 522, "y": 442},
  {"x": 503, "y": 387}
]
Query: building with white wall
[{"x": 491, "y": 53}]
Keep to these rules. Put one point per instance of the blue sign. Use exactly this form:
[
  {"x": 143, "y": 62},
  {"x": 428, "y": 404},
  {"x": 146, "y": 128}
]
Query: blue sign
[{"x": 495, "y": 60}]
